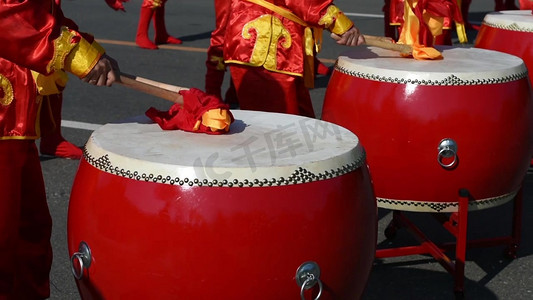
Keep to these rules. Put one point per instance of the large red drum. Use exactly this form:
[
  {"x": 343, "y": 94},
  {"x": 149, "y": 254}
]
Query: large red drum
[
  {"x": 431, "y": 128},
  {"x": 279, "y": 208},
  {"x": 511, "y": 32}
]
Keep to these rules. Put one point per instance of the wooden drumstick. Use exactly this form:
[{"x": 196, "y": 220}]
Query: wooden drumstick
[
  {"x": 387, "y": 43},
  {"x": 162, "y": 90}
]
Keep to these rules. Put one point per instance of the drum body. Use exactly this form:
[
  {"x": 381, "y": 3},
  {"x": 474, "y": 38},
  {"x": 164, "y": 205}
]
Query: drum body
[
  {"x": 510, "y": 32},
  {"x": 431, "y": 128},
  {"x": 177, "y": 215}
]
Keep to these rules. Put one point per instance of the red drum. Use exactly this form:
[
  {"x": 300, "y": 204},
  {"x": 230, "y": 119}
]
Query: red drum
[
  {"x": 282, "y": 207},
  {"x": 510, "y": 32},
  {"x": 431, "y": 128}
]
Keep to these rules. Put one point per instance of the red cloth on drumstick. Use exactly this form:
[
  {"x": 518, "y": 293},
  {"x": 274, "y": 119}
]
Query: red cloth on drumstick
[
  {"x": 200, "y": 112},
  {"x": 116, "y": 4}
]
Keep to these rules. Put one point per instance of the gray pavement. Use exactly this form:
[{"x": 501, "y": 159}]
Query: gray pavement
[{"x": 489, "y": 274}]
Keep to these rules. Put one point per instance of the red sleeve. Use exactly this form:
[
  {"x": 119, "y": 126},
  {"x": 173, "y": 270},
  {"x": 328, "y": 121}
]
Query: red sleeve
[
  {"x": 29, "y": 29},
  {"x": 310, "y": 10},
  {"x": 37, "y": 36}
]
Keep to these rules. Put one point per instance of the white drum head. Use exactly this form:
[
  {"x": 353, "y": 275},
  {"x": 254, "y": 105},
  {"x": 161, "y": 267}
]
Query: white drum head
[
  {"x": 260, "y": 149},
  {"x": 460, "y": 66},
  {"x": 513, "y": 20}
]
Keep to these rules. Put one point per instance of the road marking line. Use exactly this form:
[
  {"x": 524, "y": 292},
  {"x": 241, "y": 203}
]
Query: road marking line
[
  {"x": 170, "y": 47},
  {"x": 364, "y": 15},
  {"x": 79, "y": 125}
]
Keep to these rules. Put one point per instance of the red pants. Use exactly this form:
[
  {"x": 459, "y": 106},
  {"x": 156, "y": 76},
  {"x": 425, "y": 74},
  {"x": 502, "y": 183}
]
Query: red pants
[
  {"x": 262, "y": 90},
  {"x": 25, "y": 223}
]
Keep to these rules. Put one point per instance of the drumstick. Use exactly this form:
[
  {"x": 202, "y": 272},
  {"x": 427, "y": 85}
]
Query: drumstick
[
  {"x": 386, "y": 43},
  {"x": 162, "y": 90}
]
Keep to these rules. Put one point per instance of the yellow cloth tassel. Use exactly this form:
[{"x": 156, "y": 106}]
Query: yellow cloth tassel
[
  {"x": 409, "y": 35},
  {"x": 216, "y": 119}
]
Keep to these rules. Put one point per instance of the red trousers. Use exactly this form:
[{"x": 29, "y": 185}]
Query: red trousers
[
  {"x": 262, "y": 90},
  {"x": 25, "y": 223}
]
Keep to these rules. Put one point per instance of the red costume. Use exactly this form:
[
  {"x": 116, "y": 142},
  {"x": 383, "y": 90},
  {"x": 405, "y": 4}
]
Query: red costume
[
  {"x": 266, "y": 46},
  {"x": 153, "y": 9},
  {"x": 439, "y": 16},
  {"x": 46, "y": 44},
  {"x": 526, "y": 4},
  {"x": 216, "y": 68}
]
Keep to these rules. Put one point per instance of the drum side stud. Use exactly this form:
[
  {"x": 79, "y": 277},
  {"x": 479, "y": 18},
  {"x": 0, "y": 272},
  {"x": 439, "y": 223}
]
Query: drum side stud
[
  {"x": 83, "y": 257},
  {"x": 307, "y": 275},
  {"x": 447, "y": 150}
]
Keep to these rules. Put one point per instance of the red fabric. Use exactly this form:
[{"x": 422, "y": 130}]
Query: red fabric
[
  {"x": 142, "y": 39},
  {"x": 448, "y": 9},
  {"x": 161, "y": 35},
  {"x": 195, "y": 104},
  {"x": 116, "y": 4},
  {"x": 27, "y": 47},
  {"x": 215, "y": 56},
  {"x": 393, "y": 15},
  {"x": 526, "y": 4},
  {"x": 17, "y": 117},
  {"x": 25, "y": 223},
  {"x": 52, "y": 141},
  {"x": 216, "y": 69},
  {"x": 438, "y": 8},
  {"x": 28, "y": 29},
  {"x": 287, "y": 59},
  {"x": 153, "y": 3},
  {"x": 261, "y": 90}
]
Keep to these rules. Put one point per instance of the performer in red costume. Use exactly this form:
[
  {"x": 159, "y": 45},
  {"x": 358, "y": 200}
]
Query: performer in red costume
[
  {"x": 153, "y": 9},
  {"x": 447, "y": 10},
  {"x": 47, "y": 45},
  {"x": 266, "y": 46},
  {"x": 216, "y": 68}
]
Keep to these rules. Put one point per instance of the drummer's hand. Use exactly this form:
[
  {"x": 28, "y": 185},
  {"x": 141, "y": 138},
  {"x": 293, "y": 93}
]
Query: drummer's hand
[
  {"x": 352, "y": 37},
  {"x": 105, "y": 72}
]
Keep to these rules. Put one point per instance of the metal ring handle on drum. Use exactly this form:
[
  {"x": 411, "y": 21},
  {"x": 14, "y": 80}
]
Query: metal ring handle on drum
[
  {"x": 447, "y": 148},
  {"x": 311, "y": 280},
  {"x": 83, "y": 256},
  {"x": 307, "y": 275}
]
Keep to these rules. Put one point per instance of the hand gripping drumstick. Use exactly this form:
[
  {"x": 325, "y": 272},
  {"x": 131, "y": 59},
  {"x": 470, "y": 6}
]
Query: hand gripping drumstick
[{"x": 162, "y": 90}]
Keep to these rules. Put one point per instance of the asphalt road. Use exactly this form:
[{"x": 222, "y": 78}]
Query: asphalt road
[{"x": 488, "y": 275}]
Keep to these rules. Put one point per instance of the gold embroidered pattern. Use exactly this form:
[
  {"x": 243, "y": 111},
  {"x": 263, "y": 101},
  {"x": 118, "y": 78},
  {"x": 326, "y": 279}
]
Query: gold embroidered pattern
[
  {"x": 335, "y": 20},
  {"x": 269, "y": 31},
  {"x": 62, "y": 47},
  {"x": 83, "y": 58},
  {"x": 157, "y": 3},
  {"x": 219, "y": 61},
  {"x": 6, "y": 91},
  {"x": 51, "y": 84}
]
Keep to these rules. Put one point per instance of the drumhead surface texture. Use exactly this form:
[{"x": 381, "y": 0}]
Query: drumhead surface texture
[
  {"x": 261, "y": 147},
  {"x": 460, "y": 66},
  {"x": 515, "y": 20}
]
